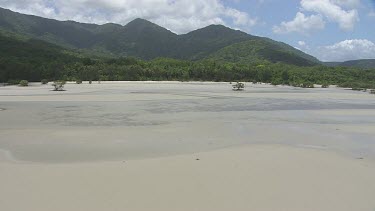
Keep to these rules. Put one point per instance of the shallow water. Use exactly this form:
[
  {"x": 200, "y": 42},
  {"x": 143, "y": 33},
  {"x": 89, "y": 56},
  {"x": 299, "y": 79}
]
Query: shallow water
[{"x": 119, "y": 121}]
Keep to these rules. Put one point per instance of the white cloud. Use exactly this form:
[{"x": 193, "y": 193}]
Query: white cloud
[
  {"x": 342, "y": 12},
  {"x": 177, "y": 15},
  {"x": 301, "y": 23},
  {"x": 348, "y": 3},
  {"x": 301, "y": 43},
  {"x": 347, "y": 50},
  {"x": 332, "y": 11}
]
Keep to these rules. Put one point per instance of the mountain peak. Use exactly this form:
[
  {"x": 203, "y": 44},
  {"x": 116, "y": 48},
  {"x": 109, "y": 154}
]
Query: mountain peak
[
  {"x": 144, "y": 26},
  {"x": 141, "y": 21}
]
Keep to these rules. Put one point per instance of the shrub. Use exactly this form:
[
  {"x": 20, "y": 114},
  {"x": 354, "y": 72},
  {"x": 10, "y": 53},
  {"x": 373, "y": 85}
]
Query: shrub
[
  {"x": 13, "y": 82},
  {"x": 307, "y": 85},
  {"x": 24, "y": 83},
  {"x": 275, "y": 82},
  {"x": 78, "y": 81},
  {"x": 58, "y": 85},
  {"x": 44, "y": 81},
  {"x": 325, "y": 85},
  {"x": 238, "y": 86}
]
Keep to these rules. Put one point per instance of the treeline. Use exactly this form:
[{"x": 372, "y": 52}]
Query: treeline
[{"x": 131, "y": 69}]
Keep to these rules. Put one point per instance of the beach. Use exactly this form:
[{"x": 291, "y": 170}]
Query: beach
[{"x": 186, "y": 146}]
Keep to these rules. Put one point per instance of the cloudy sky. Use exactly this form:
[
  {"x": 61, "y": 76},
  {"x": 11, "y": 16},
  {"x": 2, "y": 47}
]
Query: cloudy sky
[{"x": 331, "y": 30}]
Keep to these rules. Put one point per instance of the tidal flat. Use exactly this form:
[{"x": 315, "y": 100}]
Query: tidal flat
[
  {"x": 115, "y": 121},
  {"x": 186, "y": 146}
]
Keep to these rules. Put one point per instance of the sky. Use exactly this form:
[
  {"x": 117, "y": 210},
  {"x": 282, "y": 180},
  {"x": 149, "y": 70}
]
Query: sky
[{"x": 331, "y": 30}]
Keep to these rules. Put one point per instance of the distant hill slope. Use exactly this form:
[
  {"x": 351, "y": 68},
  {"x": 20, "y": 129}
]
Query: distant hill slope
[
  {"x": 200, "y": 43},
  {"x": 260, "y": 49},
  {"x": 363, "y": 63},
  {"x": 143, "y": 39},
  {"x": 27, "y": 59}
]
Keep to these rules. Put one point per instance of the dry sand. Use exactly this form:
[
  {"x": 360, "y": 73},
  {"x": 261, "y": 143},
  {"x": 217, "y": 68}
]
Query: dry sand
[
  {"x": 246, "y": 178},
  {"x": 186, "y": 146}
]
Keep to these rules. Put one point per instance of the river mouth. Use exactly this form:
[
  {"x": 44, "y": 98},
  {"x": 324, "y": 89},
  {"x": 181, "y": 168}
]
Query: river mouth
[{"x": 137, "y": 120}]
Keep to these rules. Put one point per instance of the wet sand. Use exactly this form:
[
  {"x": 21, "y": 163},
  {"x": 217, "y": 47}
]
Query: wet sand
[{"x": 135, "y": 145}]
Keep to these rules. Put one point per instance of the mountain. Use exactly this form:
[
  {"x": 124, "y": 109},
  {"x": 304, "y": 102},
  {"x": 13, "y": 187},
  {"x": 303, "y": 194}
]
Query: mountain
[
  {"x": 23, "y": 58},
  {"x": 140, "y": 38},
  {"x": 363, "y": 63},
  {"x": 261, "y": 49},
  {"x": 143, "y": 39},
  {"x": 200, "y": 43}
]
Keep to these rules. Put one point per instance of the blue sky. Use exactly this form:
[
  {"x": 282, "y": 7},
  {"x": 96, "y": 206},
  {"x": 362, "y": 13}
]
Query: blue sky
[
  {"x": 272, "y": 12},
  {"x": 331, "y": 30}
]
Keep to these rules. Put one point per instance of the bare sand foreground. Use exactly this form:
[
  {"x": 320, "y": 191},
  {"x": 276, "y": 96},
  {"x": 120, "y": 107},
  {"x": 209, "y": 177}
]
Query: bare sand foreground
[
  {"x": 186, "y": 146},
  {"x": 246, "y": 178}
]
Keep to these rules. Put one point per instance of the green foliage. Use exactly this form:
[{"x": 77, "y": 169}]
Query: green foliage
[
  {"x": 13, "y": 82},
  {"x": 262, "y": 49},
  {"x": 357, "y": 85},
  {"x": 363, "y": 63},
  {"x": 146, "y": 40},
  {"x": 325, "y": 85},
  {"x": 238, "y": 86},
  {"x": 24, "y": 83},
  {"x": 307, "y": 84},
  {"x": 31, "y": 60},
  {"x": 255, "y": 61},
  {"x": 44, "y": 81},
  {"x": 130, "y": 69},
  {"x": 58, "y": 85}
]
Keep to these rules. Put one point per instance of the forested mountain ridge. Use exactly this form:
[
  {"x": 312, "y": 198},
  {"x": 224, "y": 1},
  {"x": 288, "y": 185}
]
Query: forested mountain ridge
[
  {"x": 362, "y": 63},
  {"x": 33, "y": 60},
  {"x": 143, "y": 39}
]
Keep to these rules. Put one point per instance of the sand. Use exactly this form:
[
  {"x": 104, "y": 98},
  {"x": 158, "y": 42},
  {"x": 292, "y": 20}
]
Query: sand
[
  {"x": 246, "y": 178},
  {"x": 186, "y": 146}
]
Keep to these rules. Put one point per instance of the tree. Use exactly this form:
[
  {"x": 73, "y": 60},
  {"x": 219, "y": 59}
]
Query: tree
[
  {"x": 44, "y": 81},
  {"x": 285, "y": 77},
  {"x": 325, "y": 85},
  {"x": 238, "y": 86},
  {"x": 58, "y": 85},
  {"x": 307, "y": 84},
  {"x": 24, "y": 83}
]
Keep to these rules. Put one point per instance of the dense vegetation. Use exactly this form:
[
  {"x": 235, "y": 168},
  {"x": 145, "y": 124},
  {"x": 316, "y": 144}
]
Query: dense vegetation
[
  {"x": 36, "y": 60},
  {"x": 257, "y": 50},
  {"x": 362, "y": 63},
  {"x": 32, "y": 60},
  {"x": 145, "y": 40}
]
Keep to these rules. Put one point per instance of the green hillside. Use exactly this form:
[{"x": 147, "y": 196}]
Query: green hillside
[
  {"x": 146, "y": 40},
  {"x": 34, "y": 60},
  {"x": 30, "y": 59},
  {"x": 258, "y": 50},
  {"x": 200, "y": 43},
  {"x": 362, "y": 63}
]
